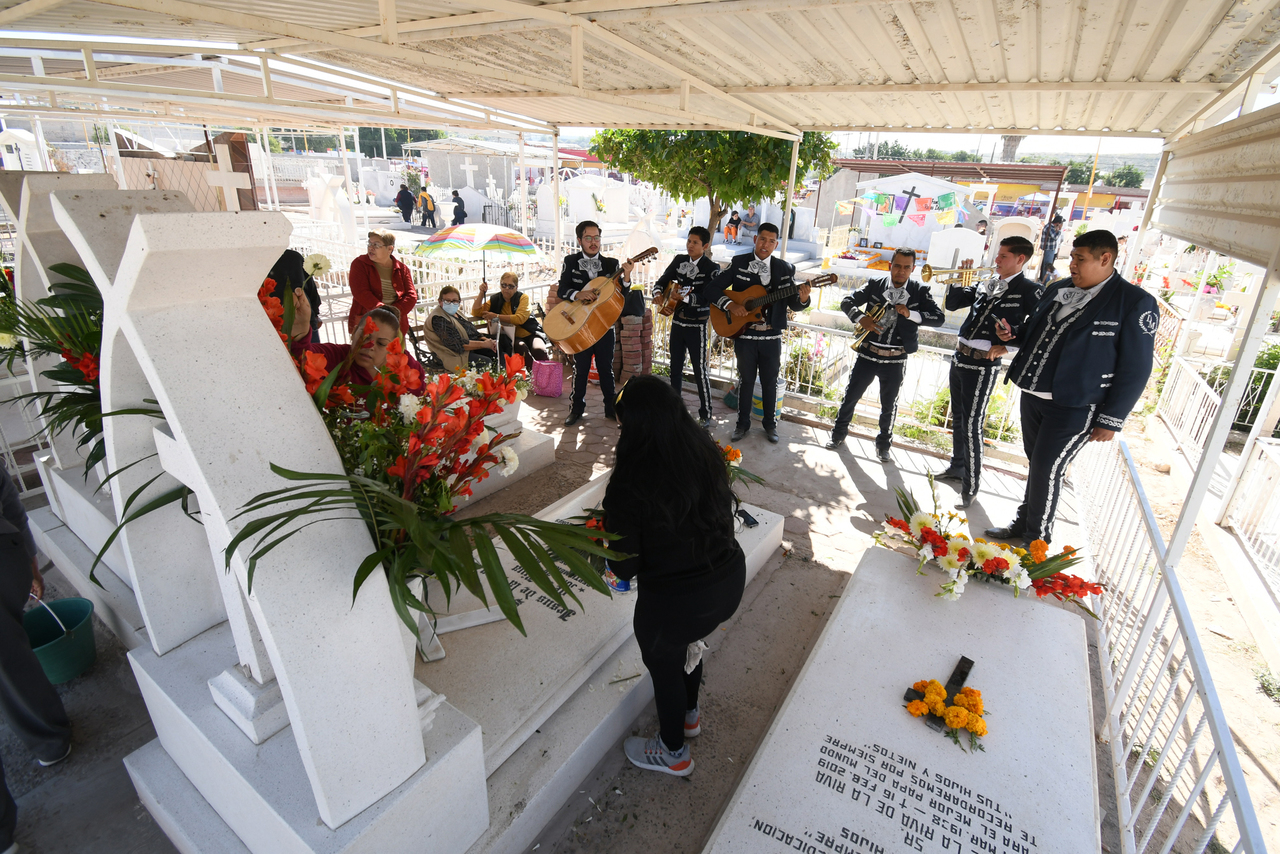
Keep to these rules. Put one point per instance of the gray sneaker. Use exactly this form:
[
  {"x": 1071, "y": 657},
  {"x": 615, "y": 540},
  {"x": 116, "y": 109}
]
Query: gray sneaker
[
  {"x": 652, "y": 755},
  {"x": 692, "y": 723}
]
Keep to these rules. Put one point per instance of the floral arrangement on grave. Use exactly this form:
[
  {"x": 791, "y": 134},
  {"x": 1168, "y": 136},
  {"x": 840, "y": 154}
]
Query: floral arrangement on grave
[
  {"x": 964, "y": 712},
  {"x": 67, "y": 324},
  {"x": 471, "y": 381},
  {"x": 938, "y": 537},
  {"x": 733, "y": 462},
  {"x": 316, "y": 264},
  {"x": 407, "y": 461}
]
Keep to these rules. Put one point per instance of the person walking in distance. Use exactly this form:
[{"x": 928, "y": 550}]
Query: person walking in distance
[
  {"x": 759, "y": 347},
  {"x": 427, "y": 203},
  {"x": 1050, "y": 239},
  {"x": 459, "y": 210},
  {"x": 578, "y": 271},
  {"x": 1007, "y": 300},
  {"x": 691, "y": 273},
  {"x": 1084, "y": 357},
  {"x": 906, "y": 305}
]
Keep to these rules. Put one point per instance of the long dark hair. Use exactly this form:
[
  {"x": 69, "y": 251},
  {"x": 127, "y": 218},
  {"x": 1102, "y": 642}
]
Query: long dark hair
[{"x": 669, "y": 463}]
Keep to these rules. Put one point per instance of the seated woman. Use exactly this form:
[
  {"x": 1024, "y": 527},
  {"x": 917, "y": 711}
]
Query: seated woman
[
  {"x": 361, "y": 359},
  {"x": 453, "y": 339},
  {"x": 510, "y": 307},
  {"x": 669, "y": 499},
  {"x": 378, "y": 278}
]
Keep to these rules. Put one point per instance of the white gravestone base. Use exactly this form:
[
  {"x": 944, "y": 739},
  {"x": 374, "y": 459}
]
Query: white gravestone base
[{"x": 845, "y": 768}]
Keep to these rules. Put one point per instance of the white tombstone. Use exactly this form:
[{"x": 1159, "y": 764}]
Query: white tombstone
[
  {"x": 19, "y": 150},
  {"x": 1012, "y": 226},
  {"x": 354, "y": 768},
  {"x": 226, "y": 179},
  {"x": 908, "y": 233},
  {"x": 951, "y": 247},
  {"x": 328, "y": 203}
]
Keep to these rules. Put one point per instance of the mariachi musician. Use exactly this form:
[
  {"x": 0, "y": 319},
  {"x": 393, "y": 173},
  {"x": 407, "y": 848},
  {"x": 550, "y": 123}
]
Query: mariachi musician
[
  {"x": 1084, "y": 358},
  {"x": 759, "y": 347},
  {"x": 1006, "y": 298},
  {"x": 578, "y": 271},
  {"x": 689, "y": 274},
  {"x": 890, "y": 310}
]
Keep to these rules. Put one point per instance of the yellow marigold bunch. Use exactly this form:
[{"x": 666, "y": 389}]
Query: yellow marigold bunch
[
  {"x": 934, "y": 688},
  {"x": 976, "y": 725},
  {"x": 956, "y": 717},
  {"x": 917, "y": 708},
  {"x": 961, "y": 700},
  {"x": 972, "y": 698}
]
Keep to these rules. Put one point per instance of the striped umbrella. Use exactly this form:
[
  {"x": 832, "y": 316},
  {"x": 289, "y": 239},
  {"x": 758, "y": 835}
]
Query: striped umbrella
[{"x": 469, "y": 238}]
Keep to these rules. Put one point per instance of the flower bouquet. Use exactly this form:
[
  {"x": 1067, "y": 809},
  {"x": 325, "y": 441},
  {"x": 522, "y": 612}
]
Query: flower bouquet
[
  {"x": 733, "y": 462},
  {"x": 964, "y": 713},
  {"x": 938, "y": 537}
]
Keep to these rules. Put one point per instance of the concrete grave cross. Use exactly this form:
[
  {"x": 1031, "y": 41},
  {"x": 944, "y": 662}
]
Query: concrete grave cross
[
  {"x": 183, "y": 325},
  {"x": 470, "y": 168},
  {"x": 227, "y": 179},
  {"x": 492, "y": 187}
]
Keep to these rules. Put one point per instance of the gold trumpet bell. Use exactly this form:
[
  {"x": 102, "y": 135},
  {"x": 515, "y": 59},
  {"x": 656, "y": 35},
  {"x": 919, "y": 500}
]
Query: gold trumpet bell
[{"x": 963, "y": 275}]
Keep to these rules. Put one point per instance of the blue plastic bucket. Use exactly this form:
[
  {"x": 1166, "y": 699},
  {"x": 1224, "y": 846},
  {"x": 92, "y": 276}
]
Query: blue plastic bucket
[{"x": 61, "y": 634}]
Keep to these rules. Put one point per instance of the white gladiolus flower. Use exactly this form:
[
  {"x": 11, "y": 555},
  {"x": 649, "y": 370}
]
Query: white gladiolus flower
[
  {"x": 521, "y": 394},
  {"x": 960, "y": 581},
  {"x": 1019, "y": 578},
  {"x": 925, "y": 552},
  {"x": 316, "y": 264},
  {"x": 485, "y": 436},
  {"x": 409, "y": 406},
  {"x": 510, "y": 461}
]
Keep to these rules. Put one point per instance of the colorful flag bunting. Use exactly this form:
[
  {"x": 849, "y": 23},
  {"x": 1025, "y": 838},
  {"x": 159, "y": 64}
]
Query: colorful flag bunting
[
  {"x": 845, "y": 208},
  {"x": 924, "y": 204},
  {"x": 917, "y": 218},
  {"x": 900, "y": 203},
  {"x": 889, "y": 220},
  {"x": 946, "y": 201},
  {"x": 946, "y": 217}
]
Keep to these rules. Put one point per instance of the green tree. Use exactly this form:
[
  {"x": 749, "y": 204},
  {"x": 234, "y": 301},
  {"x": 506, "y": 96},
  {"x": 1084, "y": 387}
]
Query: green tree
[
  {"x": 1078, "y": 173},
  {"x": 1127, "y": 175},
  {"x": 724, "y": 166},
  {"x": 371, "y": 140}
]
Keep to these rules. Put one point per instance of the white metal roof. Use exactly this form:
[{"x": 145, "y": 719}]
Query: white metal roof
[{"x": 1136, "y": 67}]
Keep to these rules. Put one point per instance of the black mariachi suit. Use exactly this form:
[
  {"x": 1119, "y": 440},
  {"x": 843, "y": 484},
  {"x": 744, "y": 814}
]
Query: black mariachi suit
[
  {"x": 899, "y": 334},
  {"x": 759, "y": 347},
  {"x": 574, "y": 276},
  {"x": 973, "y": 379},
  {"x": 1095, "y": 362},
  {"x": 689, "y": 323}
]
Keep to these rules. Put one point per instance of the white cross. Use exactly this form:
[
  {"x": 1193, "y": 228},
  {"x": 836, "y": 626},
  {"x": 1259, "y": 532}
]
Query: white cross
[
  {"x": 493, "y": 187},
  {"x": 227, "y": 179},
  {"x": 470, "y": 168}
]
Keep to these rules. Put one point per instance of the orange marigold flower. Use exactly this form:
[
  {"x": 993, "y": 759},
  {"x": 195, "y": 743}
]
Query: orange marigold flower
[
  {"x": 917, "y": 708},
  {"x": 920, "y": 686},
  {"x": 956, "y": 717},
  {"x": 1039, "y": 550},
  {"x": 976, "y": 725}
]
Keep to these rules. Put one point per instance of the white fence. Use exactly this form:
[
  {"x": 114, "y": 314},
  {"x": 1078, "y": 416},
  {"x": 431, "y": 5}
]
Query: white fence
[
  {"x": 1177, "y": 777},
  {"x": 1189, "y": 402},
  {"x": 1254, "y": 510}
]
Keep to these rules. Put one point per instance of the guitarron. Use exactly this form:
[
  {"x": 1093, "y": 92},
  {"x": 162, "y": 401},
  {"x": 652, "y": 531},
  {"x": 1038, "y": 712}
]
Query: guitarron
[
  {"x": 754, "y": 299},
  {"x": 575, "y": 326}
]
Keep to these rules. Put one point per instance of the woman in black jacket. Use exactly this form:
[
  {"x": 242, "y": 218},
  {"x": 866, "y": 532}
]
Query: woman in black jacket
[{"x": 670, "y": 502}]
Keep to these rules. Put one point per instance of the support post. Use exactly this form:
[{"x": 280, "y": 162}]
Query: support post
[
  {"x": 791, "y": 194},
  {"x": 1259, "y": 319},
  {"x": 1136, "y": 249},
  {"x": 524, "y": 191},
  {"x": 115, "y": 155},
  {"x": 346, "y": 164},
  {"x": 555, "y": 184}
]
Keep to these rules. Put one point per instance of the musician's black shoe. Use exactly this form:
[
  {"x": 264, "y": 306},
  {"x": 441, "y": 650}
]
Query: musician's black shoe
[
  {"x": 738, "y": 433},
  {"x": 610, "y": 414},
  {"x": 835, "y": 444},
  {"x": 965, "y": 500},
  {"x": 704, "y": 422},
  {"x": 1008, "y": 532},
  {"x": 882, "y": 454},
  {"x": 574, "y": 417},
  {"x": 772, "y": 435},
  {"x": 950, "y": 474}
]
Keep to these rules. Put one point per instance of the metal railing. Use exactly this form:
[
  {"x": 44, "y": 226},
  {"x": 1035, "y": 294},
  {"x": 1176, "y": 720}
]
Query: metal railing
[
  {"x": 1253, "y": 511},
  {"x": 1177, "y": 777},
  {"x": 1188, "y": 405},
  {"x": 1254, "y": 393}
]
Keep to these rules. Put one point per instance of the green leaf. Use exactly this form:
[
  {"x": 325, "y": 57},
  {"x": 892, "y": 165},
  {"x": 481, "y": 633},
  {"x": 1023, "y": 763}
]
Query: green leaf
[
  {"x": 528, "y": 563},
  {"x": 497, "y": 580},
  {"x": 368, "y": 565}
]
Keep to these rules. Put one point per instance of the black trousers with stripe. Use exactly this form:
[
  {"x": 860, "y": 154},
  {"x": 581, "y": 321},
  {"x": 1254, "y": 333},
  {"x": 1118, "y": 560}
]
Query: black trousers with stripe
[
  {"x": 1052, "y": 435},
  {"x": 867, "y": 368},
  {"x": 760, "y": 357},
  {"x": 972, "y": 382},
  {"x": 692, "y": 339},
  {"x": 603, "y": 352}
]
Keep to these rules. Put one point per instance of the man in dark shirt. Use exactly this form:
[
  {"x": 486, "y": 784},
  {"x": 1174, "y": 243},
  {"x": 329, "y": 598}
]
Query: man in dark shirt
[
  {"x": 30, "y": 705},
  {"x": 578, "y": 271},
  {"x": 690, "y": 273},
  {"x": 1005, "y": 299},
  {"x": 1050, "y": 238},
  {"x": 459, "y": 210},
  {"x": 883, "y": 353},
  {"x": 759, "y": 346}
]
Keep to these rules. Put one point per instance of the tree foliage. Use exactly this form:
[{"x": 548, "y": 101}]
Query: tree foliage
[
  {"x": 1127, "y": 175},
  {"x": 371, "y": 140},
  {"x": 897, "y": 151},
  {"x": 728, "y": 167}
]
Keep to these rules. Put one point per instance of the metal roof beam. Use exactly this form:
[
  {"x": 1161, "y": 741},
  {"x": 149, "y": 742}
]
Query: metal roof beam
[
  {"x": 1135, "y": 134},
  {"x": 924, "y": 88},
  {"x": 25, "y": 10},
  {"x": 259, "y": 23},
  {"x": 583, "y": 25}
]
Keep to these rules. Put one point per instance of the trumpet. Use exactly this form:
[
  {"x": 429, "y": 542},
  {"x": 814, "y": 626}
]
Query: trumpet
[
  {"x": 963, "y": 276},
  {"x": 876, "y": 313}
]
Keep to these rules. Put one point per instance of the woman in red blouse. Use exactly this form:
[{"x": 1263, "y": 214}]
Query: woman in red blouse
[{"x": 379, "y": 278}]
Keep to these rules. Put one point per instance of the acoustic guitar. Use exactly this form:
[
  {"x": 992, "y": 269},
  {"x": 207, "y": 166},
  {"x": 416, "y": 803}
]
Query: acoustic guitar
[
  {"x": 669, "y": 300},
  {"x": 576, "y": 326},
  {"x": 754, "y": 299}
]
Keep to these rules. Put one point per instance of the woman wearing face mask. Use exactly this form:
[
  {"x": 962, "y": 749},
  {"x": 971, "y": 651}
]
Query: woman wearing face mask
[
  {"x": 361, "y": 359},
  {"x": 453, "y": 339}
]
